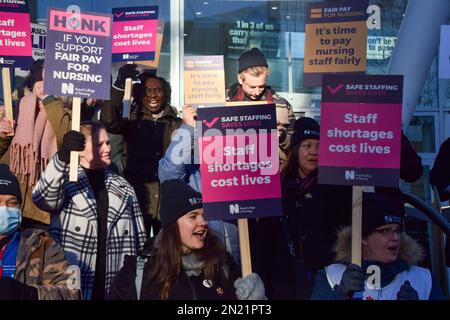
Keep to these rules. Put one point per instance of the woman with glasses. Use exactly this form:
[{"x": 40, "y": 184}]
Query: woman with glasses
[{"x": 389, "y": 268}]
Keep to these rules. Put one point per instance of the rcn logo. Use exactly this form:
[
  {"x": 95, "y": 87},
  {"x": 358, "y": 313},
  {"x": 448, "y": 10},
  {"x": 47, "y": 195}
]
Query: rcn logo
[
  {"x": 350, "y": 174},
  {"x": 67, "y": 88},
  {"x": 234, "y": 208}
]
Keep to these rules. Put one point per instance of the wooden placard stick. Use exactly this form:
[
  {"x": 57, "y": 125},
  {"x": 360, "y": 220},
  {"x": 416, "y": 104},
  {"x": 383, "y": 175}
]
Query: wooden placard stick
[
  {"x": 357, "y": 224},
  {"x": 76, "y": 111},
  {"x": 244, "y": 245},
  {"x": 7, "y": 96}
]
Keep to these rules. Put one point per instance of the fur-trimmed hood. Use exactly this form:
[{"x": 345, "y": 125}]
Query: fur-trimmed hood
[{"x": 410, "y": 251}]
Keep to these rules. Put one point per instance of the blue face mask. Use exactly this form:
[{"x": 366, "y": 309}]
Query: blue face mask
[{"x": 10, "y": 219}]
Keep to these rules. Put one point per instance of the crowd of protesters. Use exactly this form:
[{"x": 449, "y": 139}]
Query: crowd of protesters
[{"x": 132, "y": 225}]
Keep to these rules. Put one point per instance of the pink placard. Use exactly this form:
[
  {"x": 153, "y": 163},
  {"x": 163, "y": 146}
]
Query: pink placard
[
  {"x": 15, "y": 39},
  {"x": 134, "y": 36},
  {"x": 360, "y": 135}
]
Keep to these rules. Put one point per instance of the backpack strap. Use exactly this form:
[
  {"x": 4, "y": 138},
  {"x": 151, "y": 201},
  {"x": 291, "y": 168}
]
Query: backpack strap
[{"x": 140, "y": 263}]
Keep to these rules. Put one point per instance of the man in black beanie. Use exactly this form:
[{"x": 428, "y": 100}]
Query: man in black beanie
[{"x": 253, "y": 72}]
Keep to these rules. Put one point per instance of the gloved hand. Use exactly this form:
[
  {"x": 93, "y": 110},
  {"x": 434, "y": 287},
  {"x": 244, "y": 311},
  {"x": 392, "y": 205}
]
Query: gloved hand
[
  {"x": 352, "y": 281},
  {"x": 72, "y": 141},
  {"x": 250, "y": 287},
  {"x": 407, "y": 292},
  {"x": 11, "y": 289},
  {"x": 126, "y": 71}
]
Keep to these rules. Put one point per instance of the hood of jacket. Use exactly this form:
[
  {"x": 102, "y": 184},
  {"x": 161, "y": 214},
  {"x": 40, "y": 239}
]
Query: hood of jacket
[{"x": 410, "y": 251}]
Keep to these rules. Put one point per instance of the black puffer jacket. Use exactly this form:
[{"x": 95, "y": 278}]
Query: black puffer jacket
[{"x": 146, "y": 138}]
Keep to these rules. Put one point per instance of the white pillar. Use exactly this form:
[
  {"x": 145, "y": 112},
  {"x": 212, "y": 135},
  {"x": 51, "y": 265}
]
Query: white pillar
[{"x": 416, "y": 46}]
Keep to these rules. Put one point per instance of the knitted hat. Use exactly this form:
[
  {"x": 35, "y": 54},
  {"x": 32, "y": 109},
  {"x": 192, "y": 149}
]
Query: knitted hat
[
  {"x": 9, "y": 185},
  {"x": 304, "y": 128},
  {"x": 177, "y": 199},
  {"x": 251, "y": 58},
  {"x": 376, "y": 212}
]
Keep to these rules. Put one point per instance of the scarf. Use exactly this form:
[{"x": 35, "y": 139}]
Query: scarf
[
  {"x": 300, "y": 186},
  {"x": 192, "y": 264},
  {"x": 34, "y": 142},
  {"x": 241, "y": 96}
]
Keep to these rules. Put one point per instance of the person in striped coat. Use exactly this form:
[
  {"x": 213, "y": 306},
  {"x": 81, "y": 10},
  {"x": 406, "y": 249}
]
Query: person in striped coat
[{"x": 97, "y": 219}]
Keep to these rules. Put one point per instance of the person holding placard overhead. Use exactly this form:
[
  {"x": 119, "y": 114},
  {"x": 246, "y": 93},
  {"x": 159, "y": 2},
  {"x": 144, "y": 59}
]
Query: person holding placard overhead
[
  {"x": 97, "y": 219},
  {"x": 185, "y": 261},
  {"x": 390, "y": 259},
  {"x": 38, "y": 131},
  {"x": 146, "y": 134}
]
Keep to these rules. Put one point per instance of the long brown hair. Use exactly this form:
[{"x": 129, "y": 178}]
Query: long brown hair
[
  {"x": 167, "y": 266},
  {"x": 289, "y": 171}
]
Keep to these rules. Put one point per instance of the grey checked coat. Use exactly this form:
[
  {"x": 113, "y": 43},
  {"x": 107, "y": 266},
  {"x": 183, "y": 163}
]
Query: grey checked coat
[{"x": 74, "y": 220}]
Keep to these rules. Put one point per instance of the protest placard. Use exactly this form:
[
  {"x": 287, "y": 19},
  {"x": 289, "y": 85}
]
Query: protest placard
[
  {"x": 336, "y": 39},
  {"x": 38, "y": 39},
  {"x": 240, "y": 166},
  {"x": 134, "y": 33},
  {"x": 15, "y": 44},
  {"x": 360, "y": 137},
  {"x": 15, "y": 39},
  {"x": 360, "y": 130},
  {"x": 78, "y": 61},
  {"x": 239, "y": 162},
  {"x": 204, "y": 80}
]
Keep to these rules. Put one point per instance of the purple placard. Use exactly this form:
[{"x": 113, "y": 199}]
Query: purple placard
[
  {"x": 360, "y": 130},
  {"x": 239, "y": 162},
  {"x": 78, "y": 58},
  {"x": 134, "y": 33}
]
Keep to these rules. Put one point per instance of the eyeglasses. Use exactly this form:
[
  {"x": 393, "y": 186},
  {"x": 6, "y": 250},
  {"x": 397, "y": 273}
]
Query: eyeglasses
[{"x": 388, "y": 232}]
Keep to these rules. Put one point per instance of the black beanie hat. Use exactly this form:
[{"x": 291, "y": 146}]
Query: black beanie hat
[
  {"x": 252, "y": 58},
  {"x": 35, "y": 74},
  {"x": 376, "y": 212},
  {"x": 9, "y": 185},
  {"x": 304, "y": 128},
  {"x": 177, "y": 199}
]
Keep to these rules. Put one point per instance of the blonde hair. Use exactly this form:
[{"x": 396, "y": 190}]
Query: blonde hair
[
  {"x": 88, "y": 128},
  {"x": 254, "y": 71}
]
